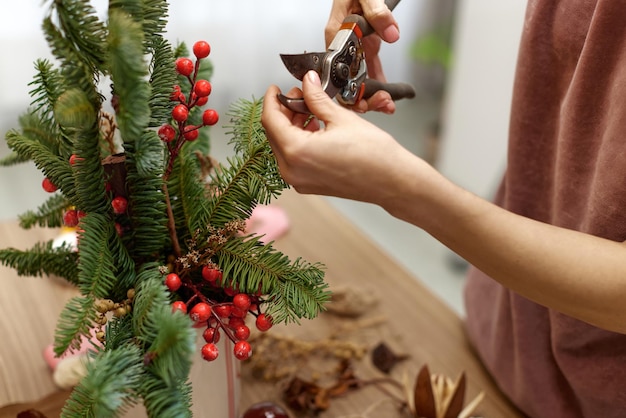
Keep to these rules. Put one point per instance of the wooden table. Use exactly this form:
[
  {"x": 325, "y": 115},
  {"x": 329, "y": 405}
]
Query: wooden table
[{"x": 406, "y": 316}]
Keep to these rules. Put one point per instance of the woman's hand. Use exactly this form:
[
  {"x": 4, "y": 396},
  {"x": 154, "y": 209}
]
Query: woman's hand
[
  {"x": 344, "y": 155},
  {"x": 386, "y": 27}
]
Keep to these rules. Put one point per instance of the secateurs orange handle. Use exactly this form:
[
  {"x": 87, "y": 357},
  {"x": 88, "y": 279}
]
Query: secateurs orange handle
[{"x": 342, "y": 67}]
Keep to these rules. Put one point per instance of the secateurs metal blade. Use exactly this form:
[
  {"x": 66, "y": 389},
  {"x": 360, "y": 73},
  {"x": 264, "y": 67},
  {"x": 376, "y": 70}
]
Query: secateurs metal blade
[{"x": 342, "y": 67}]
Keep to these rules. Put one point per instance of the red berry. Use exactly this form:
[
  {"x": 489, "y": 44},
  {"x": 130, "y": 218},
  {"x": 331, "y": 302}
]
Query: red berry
[
  {"x": 230, "y": 291},
  {"x": 210, "y": 274},
  {"x": 242, "y": 332},
  {"x": 70, "y": 218},
  {"x": 173, "y": 282},
  {"x": 191, "y": 132},
  {"x": 200, "y": 312},
  {"x": 211, "y": 335},
  {"x": 235, "y": 321},
  {"x": 238, "y": 312},
  {"x": 180, "y": 113},
  {"x": 210, "y": 117},
  {"x": 242, "y": 301},
  {"x": 179, "y": 306},
  {"x": 202, "y": 88},
  {"x": 119, "y": 229},
  {"x": 120, "y": 204},
  {"x": 167, "y": 133},
  {"x": 184, "y": 66},
  {"x": 176, "y": 93},
  {"x": 242, "y": 350},
  {"x": 223, "y": 311},
  {"x": 201, "y": 101},
  {"x": 209, "y": 352},
  {"x": 263, "y": 322},
  {"x": 201, "y": 49},
  {"x": 74, "y": 158},
  {"x": 48, "y": 185}
]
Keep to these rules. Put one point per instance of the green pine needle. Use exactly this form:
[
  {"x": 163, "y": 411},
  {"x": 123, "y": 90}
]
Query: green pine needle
[
  {"x": 109, "y": 388},
  {"x": 43, "y": 259}
]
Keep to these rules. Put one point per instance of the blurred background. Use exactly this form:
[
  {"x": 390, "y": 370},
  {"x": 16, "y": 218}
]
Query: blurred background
[{"x": 459, "y": 54}]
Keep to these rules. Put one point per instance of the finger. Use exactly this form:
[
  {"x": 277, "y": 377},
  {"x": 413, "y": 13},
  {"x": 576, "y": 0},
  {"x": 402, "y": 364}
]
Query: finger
[
  {"x": 372, "y": 59},
  {"x": 379, "y": 16},
  {"x": 275, "y": 117},
  {"x": 338, "y": 12},
  {"x": 316, "y": 99},
  {"x": 381, "y": 101}
]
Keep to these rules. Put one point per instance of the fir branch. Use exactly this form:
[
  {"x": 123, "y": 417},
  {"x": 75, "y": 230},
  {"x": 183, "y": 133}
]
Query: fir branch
[
  {"x": 150, "y": 14},
  {"x": 78, "y": 117},
  {"x": 52, "y": 166},
  {"x": 246, "y": 131},
  {"x": 49, "y": 214},
  {"x": 241, "y": 186},
  {"x": 108, "y": 389},
  {"x": 75, "y": 71},
  {"x": 43, "y": 259},
  {"x": 166, "y": 401},
  {"x": 192, "y": 204},
  {"x": 162, "y": 79},
  {"x": 149, "y": 156},
  {"x": 296, "y": 290},
  {"x": 128, "y": 72},
  {"x": 301, "y": 294},
  {"x": 150, "y": 294},
  {"x": 46, "y": 88},
  {"x": 252, "y": 176},
  {"x": 155, "y": 14},
  {"x": 83, "y": 30},
  {"x": 36, "y": 126},
  {"x": 125, "y": 274},
  {"x": 97, "y": 266},
  {"x": 181, "y": 50},
  {"x": 75, "y": 321},
  {"x": 147, "y": 213},
  {"x": 74, "y": 111},
  {"x": 13, "y": 158},
  {"x": 119, "y": 332},
  {"x": 170, "y": 344}
]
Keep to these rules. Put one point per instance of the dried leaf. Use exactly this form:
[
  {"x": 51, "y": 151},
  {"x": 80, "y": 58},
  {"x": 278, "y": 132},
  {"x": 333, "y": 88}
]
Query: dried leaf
[
  {"x": 424, "y": 397},
  {"x": 384, "y": 359},
  {"x": 455, "y": 403}
]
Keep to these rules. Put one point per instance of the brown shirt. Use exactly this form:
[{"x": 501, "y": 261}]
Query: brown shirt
[{"x": 567, "y": 167}]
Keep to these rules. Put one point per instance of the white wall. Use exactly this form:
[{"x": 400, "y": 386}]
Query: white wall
[{"x": 473, "y": 149}]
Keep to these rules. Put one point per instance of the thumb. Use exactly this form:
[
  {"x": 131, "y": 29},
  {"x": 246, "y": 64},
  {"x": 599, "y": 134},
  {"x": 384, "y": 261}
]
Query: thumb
[{"x": 316, "y": 99}]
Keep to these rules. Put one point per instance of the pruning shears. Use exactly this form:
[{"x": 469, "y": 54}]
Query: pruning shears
[{"x": 342, "y": 67}]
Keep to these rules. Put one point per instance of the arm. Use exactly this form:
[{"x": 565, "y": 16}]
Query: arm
[{"x": 575, "y": 273}]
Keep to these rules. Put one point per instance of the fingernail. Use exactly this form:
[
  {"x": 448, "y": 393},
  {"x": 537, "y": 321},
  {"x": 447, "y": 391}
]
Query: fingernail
[
  {"x": 391, "y": 33},
  {"x": 314, "y": 77}
]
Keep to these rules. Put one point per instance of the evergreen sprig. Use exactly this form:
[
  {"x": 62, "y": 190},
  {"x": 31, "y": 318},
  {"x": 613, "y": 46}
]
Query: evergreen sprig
[
  {"x": 295, "y": 289},
  {"x": 110, "y": 386},
  {"x": 43, "y": 259},
  {"x": 49, "y": 214}
]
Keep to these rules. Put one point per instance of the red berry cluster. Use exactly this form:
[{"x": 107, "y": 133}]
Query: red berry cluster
[
  {"x": 200, "y": 89},
  {"x": 221, "y": 309}
]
